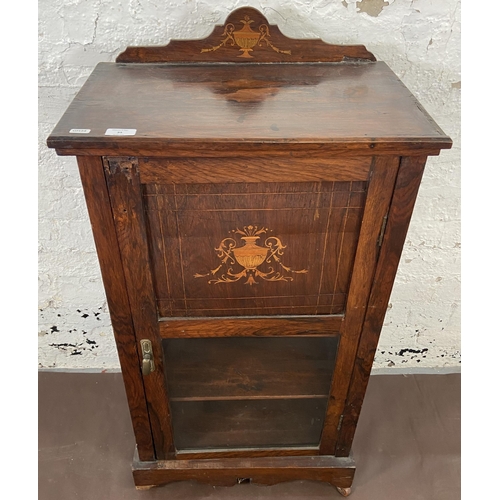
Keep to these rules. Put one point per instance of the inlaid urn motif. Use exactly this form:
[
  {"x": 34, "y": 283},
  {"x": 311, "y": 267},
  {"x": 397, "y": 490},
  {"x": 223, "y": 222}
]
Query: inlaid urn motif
[
  {"x": 250, "y": 256},
  {"x": 250, "y": 260},
  {"x": 246, "y": 38}
]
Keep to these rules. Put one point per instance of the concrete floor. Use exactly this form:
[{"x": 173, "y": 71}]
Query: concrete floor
[{"x": 407, "y": 445}]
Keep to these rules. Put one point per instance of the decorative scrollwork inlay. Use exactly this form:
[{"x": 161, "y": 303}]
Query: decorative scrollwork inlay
[
  {"x": 246, "y": 38},
  {"x": 250, "y": 261}
]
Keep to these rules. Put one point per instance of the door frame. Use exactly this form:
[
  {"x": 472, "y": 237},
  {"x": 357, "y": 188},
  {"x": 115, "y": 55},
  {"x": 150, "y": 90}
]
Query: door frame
[{"x": 124, "y": 191}]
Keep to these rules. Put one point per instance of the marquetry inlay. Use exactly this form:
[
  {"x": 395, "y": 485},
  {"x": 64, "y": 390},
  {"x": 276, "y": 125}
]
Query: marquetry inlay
[
  {"x": 246, "y": 38},
  {"x": 250, "y": 260}
]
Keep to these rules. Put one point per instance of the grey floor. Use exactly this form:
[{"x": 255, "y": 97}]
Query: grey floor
[{"x": 407, "y": 445}]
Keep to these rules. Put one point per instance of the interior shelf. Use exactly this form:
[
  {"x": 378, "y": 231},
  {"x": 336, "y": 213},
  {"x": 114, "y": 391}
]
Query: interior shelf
[{"x": 242, "y": 368}]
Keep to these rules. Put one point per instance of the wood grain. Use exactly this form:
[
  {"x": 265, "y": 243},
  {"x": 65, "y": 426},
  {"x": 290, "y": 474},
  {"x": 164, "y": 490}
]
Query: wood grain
[
  {"x": 125, "y": 196},
  {"x": 250, "y": 327},
  {"x": 377, "y": 205},
  {"x": 352, "y": 146},
  {"x": 249, "y": 170},
  {"x": 272, "y": 46},
  {"x": 263, "y": 470},
  {"x": 219, "y": 110},
  {"x": 101, "y": 219},
  {"x": 194, "y": 272},
  {"x": 405, "y": 194}
]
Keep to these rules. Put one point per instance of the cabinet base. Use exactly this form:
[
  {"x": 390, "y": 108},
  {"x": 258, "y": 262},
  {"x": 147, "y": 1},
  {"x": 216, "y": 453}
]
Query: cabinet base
[{"x": 337, "y": 471}]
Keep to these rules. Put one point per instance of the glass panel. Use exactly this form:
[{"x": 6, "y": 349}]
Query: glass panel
[
  {"x": 247, "y": 423},
  {"x": 248, "y": 392}
]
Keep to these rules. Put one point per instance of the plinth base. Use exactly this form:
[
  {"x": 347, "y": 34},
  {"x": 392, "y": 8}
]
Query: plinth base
[{"x": 337, "y": 471}]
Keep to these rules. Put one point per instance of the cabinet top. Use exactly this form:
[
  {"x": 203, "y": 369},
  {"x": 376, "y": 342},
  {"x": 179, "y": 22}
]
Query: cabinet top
[{"x": 179, "y": 105}]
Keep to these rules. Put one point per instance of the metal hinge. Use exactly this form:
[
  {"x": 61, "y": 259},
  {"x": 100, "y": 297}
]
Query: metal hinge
[
  {"x": 340, "y": 422},
  {"x": 382, "y": 230}
]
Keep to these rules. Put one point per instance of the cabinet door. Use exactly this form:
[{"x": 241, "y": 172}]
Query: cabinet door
[{"x": 250, "y": 279}]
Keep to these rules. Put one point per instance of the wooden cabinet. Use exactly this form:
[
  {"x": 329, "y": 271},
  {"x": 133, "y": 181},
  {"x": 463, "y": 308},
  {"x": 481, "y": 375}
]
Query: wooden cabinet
[{"x": 249, "y": 196}]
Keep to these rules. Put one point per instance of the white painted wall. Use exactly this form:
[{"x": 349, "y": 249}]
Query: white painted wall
[{"x": 419, "y": 39}]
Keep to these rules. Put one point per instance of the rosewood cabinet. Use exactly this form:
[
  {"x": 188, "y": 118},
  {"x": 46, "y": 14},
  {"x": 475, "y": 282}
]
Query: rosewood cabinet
[{"x": 249, "y": 196}]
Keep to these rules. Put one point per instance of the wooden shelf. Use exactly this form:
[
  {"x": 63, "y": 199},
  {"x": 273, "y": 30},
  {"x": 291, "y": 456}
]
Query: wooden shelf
[{"x": 249, "y": 368}]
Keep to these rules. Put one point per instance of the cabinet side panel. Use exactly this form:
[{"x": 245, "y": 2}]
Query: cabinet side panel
[
  {"x": 405, "y": 194},
  {"x": 126, "y": 203},
  {"x": 380, "y": 190},
  {"x": 101, "y": 218}
]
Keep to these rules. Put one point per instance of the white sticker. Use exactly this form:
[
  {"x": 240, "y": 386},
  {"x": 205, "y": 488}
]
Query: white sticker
[
  {"x": 79, "y": 131},
  {"x": 121, "y": 131}
]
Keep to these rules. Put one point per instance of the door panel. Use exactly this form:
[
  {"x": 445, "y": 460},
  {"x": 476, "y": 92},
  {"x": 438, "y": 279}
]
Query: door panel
[
  {"x": 235, "y": 265},
  {"x": 252, "y": 249}
]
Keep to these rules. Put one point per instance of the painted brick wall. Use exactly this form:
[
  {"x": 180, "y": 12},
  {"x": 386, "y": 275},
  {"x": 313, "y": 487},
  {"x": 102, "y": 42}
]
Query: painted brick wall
[{"x": 419, "y": 39}]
